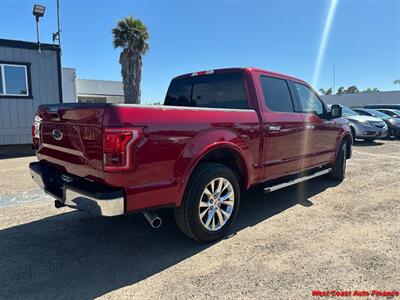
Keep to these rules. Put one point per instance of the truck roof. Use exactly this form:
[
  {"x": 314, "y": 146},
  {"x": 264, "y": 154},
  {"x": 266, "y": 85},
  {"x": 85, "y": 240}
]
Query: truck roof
[{"x": 240, "y": 69}]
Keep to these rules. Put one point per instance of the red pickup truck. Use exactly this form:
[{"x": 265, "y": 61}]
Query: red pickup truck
[{"x": 218, "y": 133}]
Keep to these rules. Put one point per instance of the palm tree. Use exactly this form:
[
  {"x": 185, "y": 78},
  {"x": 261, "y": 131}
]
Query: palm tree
[
  {"x": 371, "y": 90},
  {"x": 131, "y": 35},
  {"x": 340, "y": 91},
  {"x": 352, "y": 89},
  {"x": 326, "y": 92}
]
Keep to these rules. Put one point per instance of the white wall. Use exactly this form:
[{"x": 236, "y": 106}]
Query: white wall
[
  {"x": 364, "y": 98},
  {"x": 69, "y": 85},
  {"x": 99, "y": 87},
  {"x": 74, "y": 88}
]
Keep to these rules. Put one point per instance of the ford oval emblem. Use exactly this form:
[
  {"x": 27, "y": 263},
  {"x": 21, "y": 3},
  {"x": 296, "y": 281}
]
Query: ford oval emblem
[{"x": 57, "y": 134}]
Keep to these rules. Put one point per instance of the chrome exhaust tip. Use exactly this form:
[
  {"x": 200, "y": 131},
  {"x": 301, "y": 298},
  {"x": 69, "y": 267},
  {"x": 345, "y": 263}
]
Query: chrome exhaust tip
[{"x": 154, "y": 220}]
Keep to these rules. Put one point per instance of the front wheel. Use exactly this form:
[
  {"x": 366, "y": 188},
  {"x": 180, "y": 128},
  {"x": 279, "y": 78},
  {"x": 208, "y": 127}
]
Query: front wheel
[
  {"x": 353, "y": 134},
  {"x": 210, "y": 203},
  {"x": 339, "y": 168},
  {"x": 392, "y": 132}
]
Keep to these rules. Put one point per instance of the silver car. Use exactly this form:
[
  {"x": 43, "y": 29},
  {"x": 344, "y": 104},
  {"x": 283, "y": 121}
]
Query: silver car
[{"x": 364, "y": 127}]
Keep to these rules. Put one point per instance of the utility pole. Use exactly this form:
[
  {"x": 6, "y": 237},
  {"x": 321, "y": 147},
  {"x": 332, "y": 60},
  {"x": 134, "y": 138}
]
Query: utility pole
[
  {"x": 334, "y": 79},
  {"x": 58, "y": 23},
  {"x": 57, "y": 35},
  {"x": 38, "y": 12},
  {"x": 38, "y": 34}
]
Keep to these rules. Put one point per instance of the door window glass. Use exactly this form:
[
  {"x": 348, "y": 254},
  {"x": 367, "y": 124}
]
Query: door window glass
[
  {"x": 277, "y": 96},
  {"x": 308, "y": 100}
]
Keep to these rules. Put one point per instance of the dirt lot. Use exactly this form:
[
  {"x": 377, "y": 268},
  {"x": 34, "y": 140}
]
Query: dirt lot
[{"x": 285, "y": 244}]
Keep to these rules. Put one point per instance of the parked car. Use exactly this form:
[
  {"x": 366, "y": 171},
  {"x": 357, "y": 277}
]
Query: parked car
[
  {"x": 394, "y": 113},
  {"x": 375, "y": 106},
  {"x": 392, "y": 123},
  {"x": 367, "y": 128},
  {"x": 219, "y": 132}
]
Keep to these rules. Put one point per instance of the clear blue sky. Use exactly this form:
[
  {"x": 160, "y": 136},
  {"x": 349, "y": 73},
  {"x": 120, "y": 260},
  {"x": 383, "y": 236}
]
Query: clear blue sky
[{"x": 186, "y": 36}]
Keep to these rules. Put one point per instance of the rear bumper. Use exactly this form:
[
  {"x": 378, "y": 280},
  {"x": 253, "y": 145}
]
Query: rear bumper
[{"x": 78, "y": 193}]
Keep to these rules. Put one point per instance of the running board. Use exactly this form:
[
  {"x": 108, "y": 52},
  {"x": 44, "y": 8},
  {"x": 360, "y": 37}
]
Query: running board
[{"x": 296, "y": 181}]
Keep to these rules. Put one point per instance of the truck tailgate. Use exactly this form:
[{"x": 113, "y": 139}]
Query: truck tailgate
[{"x": 71, "y": 138}]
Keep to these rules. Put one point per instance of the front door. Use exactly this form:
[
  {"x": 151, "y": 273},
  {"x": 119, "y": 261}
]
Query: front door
[{"x": 320, "y": 134}]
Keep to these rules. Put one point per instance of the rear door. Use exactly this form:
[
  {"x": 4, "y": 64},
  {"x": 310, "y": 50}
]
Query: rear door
[
  {"x": 283, "y": 128},
  {"x": 320, "y": 134}
]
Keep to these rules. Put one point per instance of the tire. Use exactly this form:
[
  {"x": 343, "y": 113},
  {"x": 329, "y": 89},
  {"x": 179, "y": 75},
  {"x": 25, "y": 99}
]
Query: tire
[
  {"x": 369, "y": 140},
  {"x": 339, "y": 167},
  {"x": 197, "y": 201},
  {"x": 353, "y": 134}
]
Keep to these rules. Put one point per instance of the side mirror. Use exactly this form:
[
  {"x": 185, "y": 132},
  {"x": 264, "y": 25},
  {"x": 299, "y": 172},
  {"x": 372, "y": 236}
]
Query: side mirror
[{"x": 336, "y": 111}]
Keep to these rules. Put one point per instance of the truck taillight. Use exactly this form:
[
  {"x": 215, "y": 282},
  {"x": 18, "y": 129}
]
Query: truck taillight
[
  {"x": 118, "y": 148},
  {"x": 36, "y": 127},
  {"x": 33, "y": 130}
]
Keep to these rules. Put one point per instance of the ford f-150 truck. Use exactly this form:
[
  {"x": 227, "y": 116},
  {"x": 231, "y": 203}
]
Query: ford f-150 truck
[{"x": 218, "y": 133}]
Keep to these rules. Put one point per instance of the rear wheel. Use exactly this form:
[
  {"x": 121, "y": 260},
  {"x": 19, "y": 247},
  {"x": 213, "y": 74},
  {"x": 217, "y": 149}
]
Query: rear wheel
[
  {"x": 339, "y": 168},
  {"x": 210, "y": 203}
]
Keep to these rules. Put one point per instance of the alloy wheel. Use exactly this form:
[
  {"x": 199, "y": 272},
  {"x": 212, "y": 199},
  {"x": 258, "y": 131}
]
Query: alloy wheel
[{"x": 216, "y": 204}]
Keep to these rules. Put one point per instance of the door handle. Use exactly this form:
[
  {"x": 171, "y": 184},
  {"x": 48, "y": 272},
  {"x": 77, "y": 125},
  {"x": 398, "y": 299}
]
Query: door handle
[
  {"x": 274, "y": 127},
  {"x": 329, "y": 123}
]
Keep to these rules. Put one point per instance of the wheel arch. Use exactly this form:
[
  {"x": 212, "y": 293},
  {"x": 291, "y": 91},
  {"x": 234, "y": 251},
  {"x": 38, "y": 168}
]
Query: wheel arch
[
  {"x": 353, "y": 132},
  {"x": 349, "y": 142},
  {"x": 348, "y": 138},
  {"x": 225, "y": 153}
]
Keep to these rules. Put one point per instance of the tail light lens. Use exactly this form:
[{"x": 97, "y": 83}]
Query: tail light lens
[
  {"x": 33, "y": 130},
  {"x": 36, "y": 127},
  {"x": 118, "y": 148},
  {"x": 36, "y": 131}
]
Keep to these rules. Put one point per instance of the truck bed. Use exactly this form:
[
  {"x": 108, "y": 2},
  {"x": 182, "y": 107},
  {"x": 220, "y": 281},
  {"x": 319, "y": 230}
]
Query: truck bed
[{"x": 172, "y": 138}]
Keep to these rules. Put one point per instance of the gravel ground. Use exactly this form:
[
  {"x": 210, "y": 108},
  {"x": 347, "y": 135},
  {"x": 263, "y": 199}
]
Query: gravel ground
[{"x": 314, "y": 236}]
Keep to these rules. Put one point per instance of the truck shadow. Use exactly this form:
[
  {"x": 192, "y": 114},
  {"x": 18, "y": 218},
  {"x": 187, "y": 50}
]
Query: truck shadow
[
  {"x": 74, "y": 255},
  {"x": 367, "y": 144},
  {"x": 14, "y": 151}
]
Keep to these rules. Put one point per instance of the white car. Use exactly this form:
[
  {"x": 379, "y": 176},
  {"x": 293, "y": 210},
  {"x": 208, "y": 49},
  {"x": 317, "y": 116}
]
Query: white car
[{"x": 367, "y": 128}]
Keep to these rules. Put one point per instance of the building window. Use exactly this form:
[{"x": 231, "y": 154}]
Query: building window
[{"x": 14, "y": 80}]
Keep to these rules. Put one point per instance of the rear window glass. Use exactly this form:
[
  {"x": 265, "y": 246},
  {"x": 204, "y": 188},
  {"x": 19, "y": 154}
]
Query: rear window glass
[
  {"x": 276, "y": 94},
  {"x": 212, "y": 91}
]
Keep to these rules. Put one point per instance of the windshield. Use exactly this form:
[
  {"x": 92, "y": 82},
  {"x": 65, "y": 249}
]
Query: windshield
[
  {"x": 378, "y": 114},
  {"x": 347, "y": 112}
]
